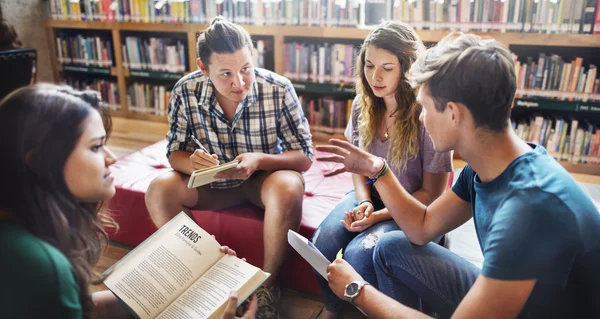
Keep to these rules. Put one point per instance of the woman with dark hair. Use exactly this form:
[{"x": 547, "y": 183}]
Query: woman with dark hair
[
  {"x": 55, "y": 173},
  {"x": 384, "y": 122}
]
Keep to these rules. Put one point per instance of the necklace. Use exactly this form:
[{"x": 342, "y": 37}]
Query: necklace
[{"x": 386, "y": 134}]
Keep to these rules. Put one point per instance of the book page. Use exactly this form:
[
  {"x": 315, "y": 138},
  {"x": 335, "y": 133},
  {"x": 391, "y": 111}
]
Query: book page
[
  {"x": 207, "y": 175},
  {"x": 154, "y": 274},
  {"x": 207, "y": 297}
]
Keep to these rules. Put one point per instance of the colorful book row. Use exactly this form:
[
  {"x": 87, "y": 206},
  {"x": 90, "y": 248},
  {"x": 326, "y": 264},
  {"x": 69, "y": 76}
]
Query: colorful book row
[
  {"x": 553, "y": 73},
  {"x": 82, "y": 50},
  {"x": 326, "y": 115},
  {"x": 148, "y": 98},
  {"x": 547, "y": 16},
  {"x": 320, "y": 63},
  {"x": 565, "y": 138},
  {"x": 109, "y": 90}
]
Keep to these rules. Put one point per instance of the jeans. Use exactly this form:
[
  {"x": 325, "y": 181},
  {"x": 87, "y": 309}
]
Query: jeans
[
  {"x": 358, "y": 247},
  {"x": 407, "y": 272}
]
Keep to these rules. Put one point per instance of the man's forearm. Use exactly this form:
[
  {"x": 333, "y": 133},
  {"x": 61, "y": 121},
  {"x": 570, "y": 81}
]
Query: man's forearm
[
  {"x": 377, "y": 305},
  {"x": 180, "y": 161},
  {"x": 407, "y": 211},
  {"x": 294, "y": 160}
]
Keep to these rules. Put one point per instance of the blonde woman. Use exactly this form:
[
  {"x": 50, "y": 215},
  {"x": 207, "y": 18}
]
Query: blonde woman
[{"x": 384, "y": 122}]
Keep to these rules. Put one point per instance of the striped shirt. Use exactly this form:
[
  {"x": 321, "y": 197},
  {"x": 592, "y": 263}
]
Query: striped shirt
[{"x": 269, "y": 120}]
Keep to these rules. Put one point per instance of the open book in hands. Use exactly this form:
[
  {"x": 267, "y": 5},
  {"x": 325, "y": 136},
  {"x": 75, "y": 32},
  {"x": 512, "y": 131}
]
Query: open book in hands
[
  {"x": 207, "y": 175},
  {"x": 179, "y": 272}
]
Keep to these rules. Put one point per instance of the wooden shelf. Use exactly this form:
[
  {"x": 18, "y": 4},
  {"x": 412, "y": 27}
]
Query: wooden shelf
[
  {"x": 588, "y": 169},
  {"x": 120, "y": 113},
  {"x": 323, "y": 88},
  {"x": 70, "y": 24},
  {"x": 155, "y": 27},
  {"x": 556, "y": 105},
  {"x": 156, "y": 75},
  {"x": 89, "y": 69},
  {"x": 147, "y": 117},
  {"x": 507, "y": 38}
]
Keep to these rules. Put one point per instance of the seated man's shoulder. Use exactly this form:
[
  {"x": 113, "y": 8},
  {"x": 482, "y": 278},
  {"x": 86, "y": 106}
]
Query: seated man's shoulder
[
  {"x": 190, "y": 81},
  {"x": 269, "y": 78},
  {"x": 549, "y": 192}
]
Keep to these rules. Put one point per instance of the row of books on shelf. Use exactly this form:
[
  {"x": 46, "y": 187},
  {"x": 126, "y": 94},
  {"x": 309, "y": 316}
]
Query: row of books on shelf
[
  {"x": 259, "y": 51},
  {"x": 82, "y": 50},
  {"x": 320, "y": 63},
  {"x": 155, "y": 54},
  {"x": 553, "y": 73},
  {"x": 565, "y": 139},
  {"x": 539, "y": 16},
  {"x": 139, "y": 53},
  {"x": 109, "y": 90},
  {"x": 326, "y": 115},
  {"x": 550, "y": 16},
  {"x": 148, "y": 98}
]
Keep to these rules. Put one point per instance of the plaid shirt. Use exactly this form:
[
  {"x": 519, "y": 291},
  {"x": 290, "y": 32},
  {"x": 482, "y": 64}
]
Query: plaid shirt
[{"x": 270, "y": 120}]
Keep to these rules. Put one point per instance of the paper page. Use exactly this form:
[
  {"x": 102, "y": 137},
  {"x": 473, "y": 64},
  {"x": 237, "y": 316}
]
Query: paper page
[
  {"x": 206, "y": 176},
  {"x": 154, "y": 274},
  {"x": 210, "y": 293},
  {"x": 309, "y": 252}
]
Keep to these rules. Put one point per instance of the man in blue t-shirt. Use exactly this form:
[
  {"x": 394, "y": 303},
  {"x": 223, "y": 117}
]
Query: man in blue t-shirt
[{"x": 539, "y": 232}]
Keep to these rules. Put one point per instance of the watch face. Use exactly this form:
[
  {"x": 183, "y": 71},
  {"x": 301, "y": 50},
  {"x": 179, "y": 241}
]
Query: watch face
[{"x": 352, "y": 289}]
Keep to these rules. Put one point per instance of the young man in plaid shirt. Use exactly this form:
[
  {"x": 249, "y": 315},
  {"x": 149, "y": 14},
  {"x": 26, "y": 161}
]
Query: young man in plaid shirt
[{"x": 238, "y": 113}]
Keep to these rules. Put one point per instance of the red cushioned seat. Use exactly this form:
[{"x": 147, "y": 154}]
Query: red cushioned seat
[{"x": 239, "y": 227}]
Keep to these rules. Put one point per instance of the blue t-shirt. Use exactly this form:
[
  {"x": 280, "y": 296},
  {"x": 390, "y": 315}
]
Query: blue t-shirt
[{"x": 534, "y": 222}]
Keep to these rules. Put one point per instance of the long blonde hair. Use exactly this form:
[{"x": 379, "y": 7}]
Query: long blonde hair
[{"x": 401, "y": 40}]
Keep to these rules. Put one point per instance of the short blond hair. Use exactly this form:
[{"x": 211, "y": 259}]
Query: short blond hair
[{"x": 468, "y": 69}]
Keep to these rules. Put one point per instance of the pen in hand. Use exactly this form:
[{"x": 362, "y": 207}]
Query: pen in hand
[
  {"x": 212, "y": 159},
  {"x": 199, "y": 144}
]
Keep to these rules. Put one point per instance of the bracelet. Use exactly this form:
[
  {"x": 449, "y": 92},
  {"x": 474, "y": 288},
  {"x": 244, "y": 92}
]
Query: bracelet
[
  {"x": 382, "y": 172},
  {"x": 366, "y": 201}
]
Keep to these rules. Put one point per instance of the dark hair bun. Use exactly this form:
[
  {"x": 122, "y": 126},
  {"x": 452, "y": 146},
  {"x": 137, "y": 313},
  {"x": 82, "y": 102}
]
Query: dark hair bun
[
  {"x": 91, "y": 97},
  {"x": 217, "y": 19}
]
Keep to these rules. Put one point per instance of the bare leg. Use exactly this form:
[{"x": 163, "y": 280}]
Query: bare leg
[
  {"x": 282, "y": 194},
  {"x": 168, "y": 195}
]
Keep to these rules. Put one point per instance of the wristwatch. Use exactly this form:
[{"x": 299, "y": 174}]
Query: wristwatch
[{"x": 353, "y": 289}]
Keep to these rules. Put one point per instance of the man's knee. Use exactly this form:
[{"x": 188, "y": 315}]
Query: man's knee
[
  {"x": 394, "y": 242},
  {"x": 286, "y": 182},
  {"x": 285, "y": 186},
  {"x": 167, "y": 186}
]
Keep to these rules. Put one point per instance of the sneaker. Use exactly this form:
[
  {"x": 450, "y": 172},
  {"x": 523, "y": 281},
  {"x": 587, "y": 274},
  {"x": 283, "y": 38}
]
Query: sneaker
[{"x": 268, "y": 302}]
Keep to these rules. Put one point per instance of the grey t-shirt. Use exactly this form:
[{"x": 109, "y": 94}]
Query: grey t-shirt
[{"x": 427, "y": 159}]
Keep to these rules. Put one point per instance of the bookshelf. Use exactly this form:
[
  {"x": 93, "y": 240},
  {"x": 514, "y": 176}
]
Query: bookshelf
[{"x": 528, "y": 99}]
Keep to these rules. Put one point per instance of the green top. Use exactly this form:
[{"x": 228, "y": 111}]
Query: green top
[{"x": 36, "y": 279}]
